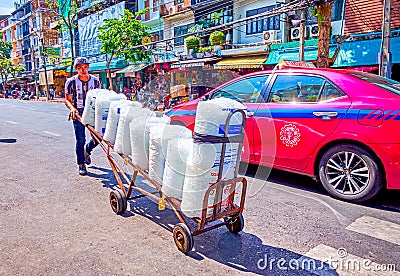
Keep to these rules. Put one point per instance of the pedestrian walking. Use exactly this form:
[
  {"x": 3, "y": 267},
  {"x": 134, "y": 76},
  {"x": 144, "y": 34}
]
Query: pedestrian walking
[
  {"x": 51, "y": 91},
  {"x": 76, "y": 89}
]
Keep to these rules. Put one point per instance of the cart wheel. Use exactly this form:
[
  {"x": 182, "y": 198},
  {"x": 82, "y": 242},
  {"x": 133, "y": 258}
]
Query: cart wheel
[
  {"x": 118, "y": 201},
  {"x": 183, "y": 238},
  {"x": 235, "y": 225}
]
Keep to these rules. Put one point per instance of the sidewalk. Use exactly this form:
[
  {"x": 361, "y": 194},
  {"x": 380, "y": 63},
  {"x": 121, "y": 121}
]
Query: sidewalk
[{"x": 56, "y": 100}]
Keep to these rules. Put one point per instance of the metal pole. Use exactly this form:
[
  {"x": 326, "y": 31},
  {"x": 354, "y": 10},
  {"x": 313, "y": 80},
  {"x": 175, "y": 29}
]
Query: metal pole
[
  {"x": 302, "y": 34},
  {"x": 385, "y": 56},
  {"x": 34, "y": 71},
  {"x": 45, "y": 69}
]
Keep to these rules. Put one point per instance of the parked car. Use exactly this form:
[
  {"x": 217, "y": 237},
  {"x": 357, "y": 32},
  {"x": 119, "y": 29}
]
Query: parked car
[{"x": 336, "y": 125}]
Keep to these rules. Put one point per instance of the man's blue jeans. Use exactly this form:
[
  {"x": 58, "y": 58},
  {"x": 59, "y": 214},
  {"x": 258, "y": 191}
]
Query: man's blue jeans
[{"x": 80, "y": 142}]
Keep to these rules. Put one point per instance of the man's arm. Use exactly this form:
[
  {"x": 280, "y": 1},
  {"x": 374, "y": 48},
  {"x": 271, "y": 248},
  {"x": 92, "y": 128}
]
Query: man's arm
[
  {"x": 68, "y": 101},
  {"x": 72, "y": 109}
]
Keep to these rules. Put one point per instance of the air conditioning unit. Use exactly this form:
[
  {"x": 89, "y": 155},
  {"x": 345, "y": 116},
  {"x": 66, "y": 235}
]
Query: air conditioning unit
[
  {"x": 313, "y": 30},
  {"x": 295, "y": 33},
  {"x": 269, "y": 36}
]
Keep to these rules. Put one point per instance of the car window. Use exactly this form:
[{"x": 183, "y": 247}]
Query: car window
[
  {"x": 295, "y": 88},
  {"x": 330, "y": 92},
  {"x": 245, "y": 90}
]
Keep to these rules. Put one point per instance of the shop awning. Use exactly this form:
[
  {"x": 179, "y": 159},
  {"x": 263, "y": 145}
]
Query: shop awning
[
  {"x": 62, "y": 67},
  {"x": 102, "y": 65},
  {"x": 365, "y": 52},
  {"x": 133, "y": 68},
  {"x": 200, "y": 62},
  {"x": 241, "y": 62},
  {"x": 310, "y": 54}
]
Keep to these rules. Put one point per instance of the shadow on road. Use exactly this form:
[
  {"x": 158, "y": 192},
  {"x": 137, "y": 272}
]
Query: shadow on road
[
  {"x": 8, "y": 140},
  {"x": 244, "y": 252},
  {"x": 386, "y": 200}
]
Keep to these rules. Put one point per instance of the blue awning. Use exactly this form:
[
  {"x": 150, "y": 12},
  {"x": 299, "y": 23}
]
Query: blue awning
[
  {"x": 102, "y": 65},
  {"x": 310, "y": 54},
  {"x": 365, "y": 52},
  {"x": 133, "y": 68}
]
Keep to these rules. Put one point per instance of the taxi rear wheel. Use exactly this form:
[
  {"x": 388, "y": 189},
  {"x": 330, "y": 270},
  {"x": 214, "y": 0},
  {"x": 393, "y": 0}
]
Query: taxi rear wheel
[{"x": 350, "y": 173}]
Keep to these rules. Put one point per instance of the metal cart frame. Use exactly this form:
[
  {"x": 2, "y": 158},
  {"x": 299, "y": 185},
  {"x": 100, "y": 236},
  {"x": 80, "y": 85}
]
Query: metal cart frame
[{"x": 229, "y": 212}]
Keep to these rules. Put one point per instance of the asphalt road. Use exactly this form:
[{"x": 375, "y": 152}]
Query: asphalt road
[{"x": 55, "y": 222}]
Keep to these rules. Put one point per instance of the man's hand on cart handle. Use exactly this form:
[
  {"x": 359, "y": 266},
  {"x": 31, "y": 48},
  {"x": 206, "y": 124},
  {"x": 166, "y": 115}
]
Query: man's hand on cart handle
[
  {"x": 72, "y": 114},
  {"x": 72, "y": 109}
]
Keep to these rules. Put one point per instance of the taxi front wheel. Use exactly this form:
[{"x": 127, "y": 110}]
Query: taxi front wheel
[{"x": 350, "y": 173}]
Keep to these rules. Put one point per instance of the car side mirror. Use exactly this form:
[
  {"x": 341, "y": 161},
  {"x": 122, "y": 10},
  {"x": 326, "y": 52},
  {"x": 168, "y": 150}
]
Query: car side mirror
[{"x": 207, "y": 97}]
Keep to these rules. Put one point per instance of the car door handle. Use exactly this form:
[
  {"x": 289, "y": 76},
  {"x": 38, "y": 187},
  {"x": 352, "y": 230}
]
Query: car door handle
[
  {"x": 326, "y": 115},
  {"x": 250, "y": 113}
]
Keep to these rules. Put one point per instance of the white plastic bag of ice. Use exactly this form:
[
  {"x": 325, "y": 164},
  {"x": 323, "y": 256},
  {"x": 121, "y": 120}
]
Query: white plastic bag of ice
[
  {"x": 211, "y": 117},
  {"x": 123, "y": 138},
  {"x": 102, "y": 106},
  {"x": 88, "y": 115},
  {"x": 139, "y": 135},
  {"x": 114, "y": 112},
  {"x": 202, "y": 170},
  {"x": 177, "y": 153},
  {"x": 159, "y": 137}
]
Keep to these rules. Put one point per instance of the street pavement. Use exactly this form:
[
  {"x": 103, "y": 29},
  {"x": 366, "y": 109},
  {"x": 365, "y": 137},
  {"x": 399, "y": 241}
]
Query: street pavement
[{"x": 55, "y": 222}]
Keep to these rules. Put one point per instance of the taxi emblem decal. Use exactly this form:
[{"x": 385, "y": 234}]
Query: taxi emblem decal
[{"x": 290, "y": 135}]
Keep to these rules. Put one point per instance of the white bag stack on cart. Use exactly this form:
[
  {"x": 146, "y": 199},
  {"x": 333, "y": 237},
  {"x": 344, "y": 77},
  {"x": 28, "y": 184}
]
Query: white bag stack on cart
[
  {"x": 116, "y": 108},
  {"x": 139, "y": 135},
  {"x": 123, "y": 138},
  {"x": 159, "y": 137},
  {"x": 88, "y": 116},
  {"x": 204, "y": 160},
  {"x": 177, "y": 153},
  {"x": 102, "y": 106}
]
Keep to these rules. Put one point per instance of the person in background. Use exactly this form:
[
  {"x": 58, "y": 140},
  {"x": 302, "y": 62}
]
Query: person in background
[
  {"x": 76, "y": 89},
  {"x": 51, "y": 92}
]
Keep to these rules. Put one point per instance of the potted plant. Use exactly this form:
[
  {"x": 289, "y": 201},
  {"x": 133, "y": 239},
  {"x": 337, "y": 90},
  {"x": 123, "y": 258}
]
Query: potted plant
[
  {"x": 192, "y": 42},
  {"x": 217, "y": 39}
]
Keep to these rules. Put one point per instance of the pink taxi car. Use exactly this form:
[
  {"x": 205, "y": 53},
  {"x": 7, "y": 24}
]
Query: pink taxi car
[{"x": 339, "y": 126}]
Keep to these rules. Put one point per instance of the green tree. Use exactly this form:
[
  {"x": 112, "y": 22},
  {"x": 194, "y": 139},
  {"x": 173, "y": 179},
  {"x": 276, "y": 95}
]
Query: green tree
[
  {"x": 120, "y": 37},
  {"x": 67, "y": 11},
  {"x": 5, "y": 48},
  {"x": 5, "y": 61}
]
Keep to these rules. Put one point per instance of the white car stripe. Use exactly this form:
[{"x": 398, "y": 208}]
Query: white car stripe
[{"x": 380, "y": 229}]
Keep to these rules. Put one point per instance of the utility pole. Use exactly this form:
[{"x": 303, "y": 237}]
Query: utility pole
[
  {"x": 33, "y": 60},
  {"x": 302, "y": 34},
  {"x": 385, "y": 56}
]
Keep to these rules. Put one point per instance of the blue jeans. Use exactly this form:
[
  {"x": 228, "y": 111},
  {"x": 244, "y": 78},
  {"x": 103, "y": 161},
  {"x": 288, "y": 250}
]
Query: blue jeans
[{"x": 80, "y": 142}]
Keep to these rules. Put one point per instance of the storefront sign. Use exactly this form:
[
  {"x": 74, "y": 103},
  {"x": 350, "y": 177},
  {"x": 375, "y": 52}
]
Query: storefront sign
[{"x": 184, "y": 65}]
